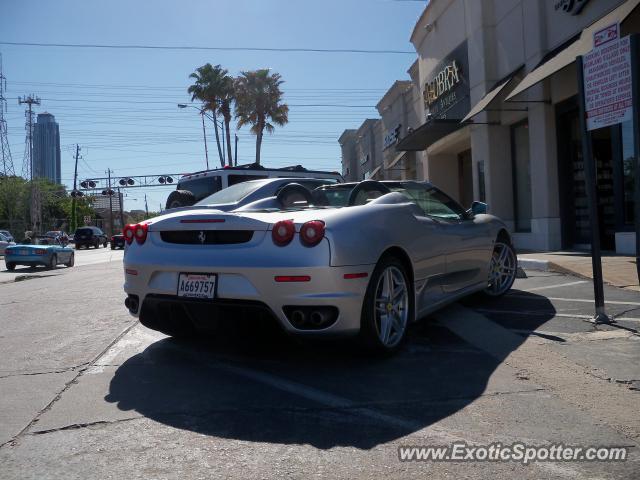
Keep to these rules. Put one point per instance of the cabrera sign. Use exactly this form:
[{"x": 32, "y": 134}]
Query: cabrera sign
[{"x": 446, "y": 92}]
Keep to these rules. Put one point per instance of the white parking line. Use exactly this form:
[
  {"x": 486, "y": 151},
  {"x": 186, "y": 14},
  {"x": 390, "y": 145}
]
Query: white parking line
[
  {"x": 535, "y": 289},
  {"x": 581, "y": 300},
  {"x": 553, "y": 314}
]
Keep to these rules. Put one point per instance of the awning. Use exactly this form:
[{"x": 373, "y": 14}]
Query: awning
[
  {"x": 580, "y": 47},
  {"x": 395, "y": 160},
  {"x": 490, "y": 97},
  {"x": 428, "y": 133},
  {"x": 375, "y": 171}
]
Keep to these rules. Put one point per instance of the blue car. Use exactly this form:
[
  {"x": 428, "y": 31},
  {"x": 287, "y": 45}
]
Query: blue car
[{"x": 44, "y": 250}]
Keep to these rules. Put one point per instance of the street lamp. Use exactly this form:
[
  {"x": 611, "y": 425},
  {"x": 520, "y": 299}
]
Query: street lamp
[
  {"x": 204, "y": 131},
  {"x": 203, "y": 114}
]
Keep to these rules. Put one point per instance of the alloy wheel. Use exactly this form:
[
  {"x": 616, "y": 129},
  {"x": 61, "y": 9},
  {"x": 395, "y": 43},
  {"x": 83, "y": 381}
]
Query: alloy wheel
[
  {"x": 391, "y": 306},
  {"x": 502, "y": 270}
]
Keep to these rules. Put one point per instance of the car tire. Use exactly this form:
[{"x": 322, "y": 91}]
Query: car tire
[
  {"x": 180, "y": 198},
  {"x": 386, "y": 316},
  {"x": 72, "y": 260},
  {"x": 11, "y": 266},
  {"x": 53, "y": 263},
  {"x": 113, "y": 247},
  {"x": 502, "y": 269},
  {"x": 105, "y": 244}
]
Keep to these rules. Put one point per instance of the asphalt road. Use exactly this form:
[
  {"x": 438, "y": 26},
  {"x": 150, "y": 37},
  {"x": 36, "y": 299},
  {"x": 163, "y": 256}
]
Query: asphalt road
[{"x": 87, "y": 392}]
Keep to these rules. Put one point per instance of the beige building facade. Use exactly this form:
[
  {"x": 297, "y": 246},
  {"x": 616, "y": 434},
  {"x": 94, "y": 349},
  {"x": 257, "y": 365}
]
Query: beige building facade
[
  {"x": 496, "y": 117},
  {"x": 362, "y": 151}
]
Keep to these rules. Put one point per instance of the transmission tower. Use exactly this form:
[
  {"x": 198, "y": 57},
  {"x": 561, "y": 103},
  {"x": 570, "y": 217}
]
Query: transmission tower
[
  {"x": 5, "y": 152},
  {"x": 27, "y": 161}
]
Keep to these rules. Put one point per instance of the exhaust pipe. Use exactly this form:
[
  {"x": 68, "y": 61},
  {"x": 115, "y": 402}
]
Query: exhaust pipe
[
  {"x": 318, "y": 318},
  {"x": 298, "y": 317}
]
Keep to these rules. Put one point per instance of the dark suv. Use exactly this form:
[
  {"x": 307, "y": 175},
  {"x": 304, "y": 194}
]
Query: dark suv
[{"x": 90, "y": 237}]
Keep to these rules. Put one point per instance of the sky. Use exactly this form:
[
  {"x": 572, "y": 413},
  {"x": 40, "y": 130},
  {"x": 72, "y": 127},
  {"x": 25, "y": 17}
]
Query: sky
[{"x": 120, "y": 105}]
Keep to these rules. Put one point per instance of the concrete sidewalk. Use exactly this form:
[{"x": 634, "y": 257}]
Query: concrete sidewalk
[{"x": 617, "y": 270}]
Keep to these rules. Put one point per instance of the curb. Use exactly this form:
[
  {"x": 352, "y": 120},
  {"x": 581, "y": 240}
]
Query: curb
[{"x": 533, "y": 264}]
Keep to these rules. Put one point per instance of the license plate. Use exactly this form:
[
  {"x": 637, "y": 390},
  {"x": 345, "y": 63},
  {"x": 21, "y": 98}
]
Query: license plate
[
  {"x": 197, "y": 285},
  {"x": 23, "y": 252}
]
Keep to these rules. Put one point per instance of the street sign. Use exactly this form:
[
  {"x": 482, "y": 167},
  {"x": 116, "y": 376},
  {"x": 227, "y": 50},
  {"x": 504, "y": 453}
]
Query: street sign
[
  {"x": 87, "y": 219},
  {"x": 607, "y": 79}
]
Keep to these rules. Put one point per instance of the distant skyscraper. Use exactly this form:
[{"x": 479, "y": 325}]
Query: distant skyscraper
[{"x": 46, "y": 148}]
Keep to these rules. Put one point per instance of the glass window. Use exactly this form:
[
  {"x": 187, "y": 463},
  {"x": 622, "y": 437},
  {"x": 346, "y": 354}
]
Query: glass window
[
  {"x": 521, "y": 176},
  {"x": 201, "y": 187},
  {"x": 628, "y": 171},
  {"x": 234, "y": 179},
  {"x": 232, "y": 194},
  {"x": 433, "y": 202},
  {"x": 481, "y": 188}
]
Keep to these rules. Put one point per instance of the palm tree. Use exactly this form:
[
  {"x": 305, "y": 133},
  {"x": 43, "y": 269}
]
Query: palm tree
[
  {"x": 258, "y": 103},
  {"x": 214, "y": 88}
]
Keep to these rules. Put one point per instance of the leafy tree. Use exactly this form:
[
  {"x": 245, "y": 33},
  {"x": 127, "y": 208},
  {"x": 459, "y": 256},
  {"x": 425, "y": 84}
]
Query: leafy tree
[{"x": 259, "y": 103}]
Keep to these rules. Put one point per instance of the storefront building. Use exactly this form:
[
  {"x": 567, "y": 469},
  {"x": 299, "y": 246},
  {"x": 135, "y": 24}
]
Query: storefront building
[
  {"x": 362, "y": 151},
  {"x": 498, "y": 116},
  {"x": 399, "y": 115}
]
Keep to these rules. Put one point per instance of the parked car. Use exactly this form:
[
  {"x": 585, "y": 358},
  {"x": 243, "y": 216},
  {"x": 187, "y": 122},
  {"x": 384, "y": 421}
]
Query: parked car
[
  {"x": 5, "y": 242},
  {"x": 196, "y": 186},
  {"x": 64, "y": 238},
  {"x": 44, "y": 250},
  {"x": 362, "y": 259},
  {"x": 90, "y": 237},
  {"x": 7, "y": 234},
  {"x": 117, "y": 241}
]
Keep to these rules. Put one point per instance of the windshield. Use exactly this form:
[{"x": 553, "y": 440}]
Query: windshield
[{"x": 233, "y": 194}]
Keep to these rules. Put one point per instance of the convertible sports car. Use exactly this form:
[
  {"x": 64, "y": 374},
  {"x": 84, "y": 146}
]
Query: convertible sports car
[
  {"x": 45, "y": 250},
  {"x": 361, "y": 258}
]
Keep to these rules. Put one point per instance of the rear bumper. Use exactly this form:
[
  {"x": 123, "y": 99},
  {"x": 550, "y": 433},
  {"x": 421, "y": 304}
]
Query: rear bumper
[
  {"x": 247, "y": 291},
  {"x": 29, "y": 261}
]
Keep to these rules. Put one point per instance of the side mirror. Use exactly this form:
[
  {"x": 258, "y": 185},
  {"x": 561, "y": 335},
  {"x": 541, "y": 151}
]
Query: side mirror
[{"x": 478, "y": 208}]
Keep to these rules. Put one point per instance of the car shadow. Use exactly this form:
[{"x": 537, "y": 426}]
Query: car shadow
[{"x": 267, "y": 387}]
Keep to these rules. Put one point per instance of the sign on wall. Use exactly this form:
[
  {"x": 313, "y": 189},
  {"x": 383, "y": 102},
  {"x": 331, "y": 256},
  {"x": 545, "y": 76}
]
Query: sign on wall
[
  {"x": 446, "y": 92},
  {"x": 391, "y": 137},
  {"x": 607, "y": 79},
  {"x": 574, "y": 7}
]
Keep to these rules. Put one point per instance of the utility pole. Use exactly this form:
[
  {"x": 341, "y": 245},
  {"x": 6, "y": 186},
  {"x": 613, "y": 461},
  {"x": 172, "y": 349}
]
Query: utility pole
[
  {"x": 204, "y": 135},
  {"x": 146, "y": 207},
  {"x": 120, "y": 199},
  {"x": 7, "y": 163},
  {"x": 235, "y": 163},
  {"x": 27, "y": 162},
  {"x": 74, "y": 193},
  {"x": 110, "y": 193}
]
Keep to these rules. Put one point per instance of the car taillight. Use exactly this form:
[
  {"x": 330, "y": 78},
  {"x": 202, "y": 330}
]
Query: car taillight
[
  {"x": 140, "y": 232},
  {"x": 283, "y": 232},
  {"x": 7, "y": 252},
  {"x": 127, "y": 231},
  {"x": 39, "y": 251},
  {"x": 311, "y": 233}
]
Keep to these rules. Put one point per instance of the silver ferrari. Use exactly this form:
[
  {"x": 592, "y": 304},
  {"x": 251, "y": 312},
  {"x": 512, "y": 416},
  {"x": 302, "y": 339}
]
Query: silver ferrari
[{"x": 363, "y": 259}]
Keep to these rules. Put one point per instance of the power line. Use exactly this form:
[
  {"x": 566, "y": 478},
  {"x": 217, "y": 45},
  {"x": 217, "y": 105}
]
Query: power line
[{"x": 229, "y": 49}]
